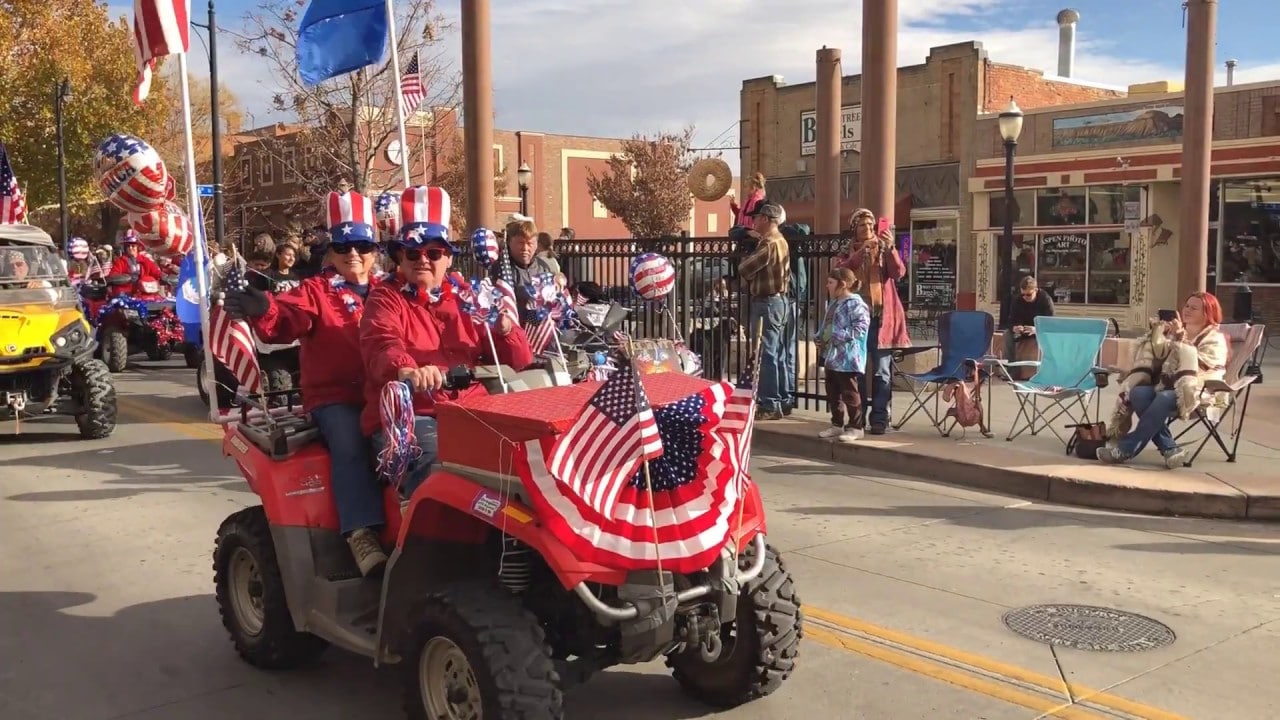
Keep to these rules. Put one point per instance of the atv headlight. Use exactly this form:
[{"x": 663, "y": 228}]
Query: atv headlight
[{"x": 70, "y": 337}]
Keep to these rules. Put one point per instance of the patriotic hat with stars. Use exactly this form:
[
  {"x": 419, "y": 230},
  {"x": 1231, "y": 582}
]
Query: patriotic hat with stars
[
  {"x": 424, "y": 217},
  {"x": 350, "y": 218}
]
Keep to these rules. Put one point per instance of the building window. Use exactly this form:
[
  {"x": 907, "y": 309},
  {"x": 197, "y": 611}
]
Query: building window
[
  {"x": 1077, "y": 268},
  {"x": 598, "y": 210},
  {"x": 1024, "y": 204},
  {"x": 246, "y": 169},
  {"x": 713, "y": 222},
  {"x": 1250, "y": 231},
  {"x": 289, "y": 161},
  {"x": 932, "y": 259},
  {"x": 1061, "y": 206},
  {"x": 266, "y": 170}
]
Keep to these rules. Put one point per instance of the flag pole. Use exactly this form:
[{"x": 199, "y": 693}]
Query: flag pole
[
  {"x": 399, "y": 102},
  {"x": 200, "y": 247},
  {"x": 751, "y": 418},
  {"x": 648, "y": 481}
]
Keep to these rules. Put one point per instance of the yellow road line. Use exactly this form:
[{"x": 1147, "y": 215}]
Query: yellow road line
[
  {"x": 191, "y": 426},
  {"x": 1001, "y": 691},
  {"x": 992, "y": 666}
]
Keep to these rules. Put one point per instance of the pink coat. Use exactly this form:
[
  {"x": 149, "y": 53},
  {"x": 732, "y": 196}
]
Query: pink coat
[
  {"x": 893, "y": 319},
  {"x": 741, "y": 216}
]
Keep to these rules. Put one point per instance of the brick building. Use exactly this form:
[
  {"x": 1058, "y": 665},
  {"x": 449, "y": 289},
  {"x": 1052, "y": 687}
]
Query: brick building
[
  {"x": 269, "y": 197},
  {"x": 1097, "y": 202},
  {"x": 939, "y": 103}
]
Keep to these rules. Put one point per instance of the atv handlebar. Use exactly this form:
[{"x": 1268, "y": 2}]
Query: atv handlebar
[
  {"x": 119, "y": 279},
  {"x": 458, "y": 377}
]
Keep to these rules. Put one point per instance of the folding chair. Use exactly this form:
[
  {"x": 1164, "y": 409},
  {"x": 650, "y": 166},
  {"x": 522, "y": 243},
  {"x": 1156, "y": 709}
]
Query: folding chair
[
  {"x": 1066, "y": 375},
  {"x": 1243, "y": 371},
  {"x": 964, "y": 338}
]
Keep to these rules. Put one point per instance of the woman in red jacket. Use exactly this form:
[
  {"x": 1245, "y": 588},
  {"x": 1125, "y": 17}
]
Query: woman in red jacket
[
  {"x": 140, "y": 268},
  {"x": 324, "y": 313},
  {"x": 414, "y": 332}
]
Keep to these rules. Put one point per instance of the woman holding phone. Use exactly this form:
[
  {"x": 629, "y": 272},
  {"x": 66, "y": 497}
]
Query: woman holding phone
[{"x": 1153, "y": 399}]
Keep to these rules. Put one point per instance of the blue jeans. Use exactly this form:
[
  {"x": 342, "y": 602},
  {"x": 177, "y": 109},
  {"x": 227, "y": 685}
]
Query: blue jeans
[
  {"x": 356, "y": 490},
  {"x": 424, "y": 431},
  {"x": 1153, "y": 408},
  {"x": 789, "y": 355},
  {"x": 880, "y": 370},
  {"x": 773, "y": 311}
]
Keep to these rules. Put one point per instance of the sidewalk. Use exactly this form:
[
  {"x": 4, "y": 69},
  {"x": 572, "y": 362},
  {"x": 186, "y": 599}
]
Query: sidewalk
[{"x": 1038, "y": 467}]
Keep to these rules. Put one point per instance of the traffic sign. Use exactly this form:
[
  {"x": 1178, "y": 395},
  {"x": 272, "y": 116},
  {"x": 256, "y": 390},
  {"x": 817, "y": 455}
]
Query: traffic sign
[{"x": 205, "y": 190}]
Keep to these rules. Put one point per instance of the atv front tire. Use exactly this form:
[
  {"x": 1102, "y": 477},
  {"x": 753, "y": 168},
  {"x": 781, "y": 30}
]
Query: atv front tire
[
  {"x": 115, "y": 349},
  {"x": 95, "y": 393},
  {"x": 159, "y": 352},
  {"x": 477, "y": 648},
  {"x": 758, "y": 650},
  {"x": 250, "y": 594},
  {"x": 193, "y": 356}
]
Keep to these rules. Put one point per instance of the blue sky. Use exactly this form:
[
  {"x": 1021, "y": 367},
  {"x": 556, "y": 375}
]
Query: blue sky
[{"x": 614, "y": 67}]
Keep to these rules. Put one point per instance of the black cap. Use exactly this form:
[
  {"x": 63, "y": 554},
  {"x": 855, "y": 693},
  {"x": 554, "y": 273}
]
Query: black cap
[{"x": 770, "y": 210}]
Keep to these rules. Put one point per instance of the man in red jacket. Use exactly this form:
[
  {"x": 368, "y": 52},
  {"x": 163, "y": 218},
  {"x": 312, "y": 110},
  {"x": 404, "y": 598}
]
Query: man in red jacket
[
  {"x": 324, "y": 313},
  {"x": 413, "y": 330},
  {"x": 143, "y": 272}
]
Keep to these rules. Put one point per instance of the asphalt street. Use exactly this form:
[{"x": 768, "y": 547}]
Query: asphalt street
[{"x": 107, "y": 611}]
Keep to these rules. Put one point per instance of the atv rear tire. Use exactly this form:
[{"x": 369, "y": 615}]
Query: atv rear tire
[
  {"x": 204, "y": 394},
  {"x": 759, "y": 649},
  {"x": 492, "y": 649},
  {"x": 95, "y": 393},
  {"x": 250, "y": 594},
  {"x": 115, "y": 349},
  {"x": 158, "y": 352},
  {"x": 192, "y": 355}
]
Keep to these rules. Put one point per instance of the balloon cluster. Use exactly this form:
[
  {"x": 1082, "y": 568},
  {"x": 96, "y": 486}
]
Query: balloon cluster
[
  {"x": 550, "y": 299},
  {"x": 133, "y": 178},
  {"x": 652, "y": 276}
]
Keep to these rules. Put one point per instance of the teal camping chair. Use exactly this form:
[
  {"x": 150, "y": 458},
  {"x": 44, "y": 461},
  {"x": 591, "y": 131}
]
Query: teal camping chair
[{"x": 1066, "y": 375}]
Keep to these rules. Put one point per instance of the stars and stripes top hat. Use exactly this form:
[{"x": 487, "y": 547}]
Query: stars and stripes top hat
[
  {"x": 130, "y": 237},
  {"x": 424, "y": 216},
  {"x": 350, "y": 218}
]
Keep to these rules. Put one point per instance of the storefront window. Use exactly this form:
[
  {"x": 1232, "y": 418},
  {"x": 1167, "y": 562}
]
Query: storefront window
[
  {"x": 1251, "y": 232},
  {"x": 1024, "y": 203},
  {"x": 1061, "y": 206},
  {"x": 933, "y": 262},
  {"x": 1077, "y": 268},
  {"x": 1107, "y": 203},
  {"x": 1108, "y": 269}
]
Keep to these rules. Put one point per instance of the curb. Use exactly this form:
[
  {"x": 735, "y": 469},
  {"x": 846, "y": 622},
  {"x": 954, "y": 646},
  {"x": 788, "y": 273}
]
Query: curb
[{"x": 1059, "y": 489}]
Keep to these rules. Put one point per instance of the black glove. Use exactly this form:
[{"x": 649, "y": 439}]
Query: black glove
[{"x": 249, "y": 302}]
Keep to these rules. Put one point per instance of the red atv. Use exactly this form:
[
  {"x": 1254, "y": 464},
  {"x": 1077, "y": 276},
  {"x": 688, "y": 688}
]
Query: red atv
[
  {"x": 144, "y": 321},
  {"x": 490, "y": 616}
]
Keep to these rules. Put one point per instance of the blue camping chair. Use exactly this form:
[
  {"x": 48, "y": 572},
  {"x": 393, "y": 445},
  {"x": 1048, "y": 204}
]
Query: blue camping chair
[
  {"x": 1066, "y": 375},
  {"x": 964, "y": 338}
]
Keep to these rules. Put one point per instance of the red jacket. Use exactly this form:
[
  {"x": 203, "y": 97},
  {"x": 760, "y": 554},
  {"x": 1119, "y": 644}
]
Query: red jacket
[
  {"x": 326, "y": 318},
  {"x": 398, "y": 332},
  {"x": 146, "y": 268}
]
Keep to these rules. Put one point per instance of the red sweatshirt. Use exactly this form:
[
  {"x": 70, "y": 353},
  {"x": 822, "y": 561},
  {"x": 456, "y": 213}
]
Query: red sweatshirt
[
  {"x": 325, "y": 316},
  {"x": 146, "y": 270},
  {"x": 400, "y": 331}
]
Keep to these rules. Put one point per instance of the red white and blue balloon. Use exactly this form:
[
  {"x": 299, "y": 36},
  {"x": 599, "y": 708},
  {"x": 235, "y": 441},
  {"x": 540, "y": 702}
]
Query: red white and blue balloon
[
  {"x": 78, "y": 248},
  {"x": 131, "y": 174},
  {"x": 485, "y": 245},
  {"x": 165, "y": 230},
  {"x": 387, "y": 211},
  {"x": 652, "y": 276}
]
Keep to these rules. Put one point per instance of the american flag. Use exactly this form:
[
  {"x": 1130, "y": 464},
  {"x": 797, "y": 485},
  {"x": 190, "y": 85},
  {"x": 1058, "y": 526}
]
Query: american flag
[
  {"x": 13, "y": 206},
  {"x": 615, "y": 434},
  {"x": 695, "y": 496},
  {"x": 541, "y": 334},
  {"x": 739, "y": 424},
  {"x": 231, "y": 340},
  {"x": 160, "y": 27},
  {"x": 411, "y": 90}
]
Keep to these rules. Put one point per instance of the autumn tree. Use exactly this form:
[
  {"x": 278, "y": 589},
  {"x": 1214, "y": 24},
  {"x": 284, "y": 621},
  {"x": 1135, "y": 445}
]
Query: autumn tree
[
  {"x": 646, "y": 185},
  {"x": 347, "y": 120},
  {"x": 170, "y": 138},
  {"x": 453, "y": 178},
  {"x": 41, "y": 43}
]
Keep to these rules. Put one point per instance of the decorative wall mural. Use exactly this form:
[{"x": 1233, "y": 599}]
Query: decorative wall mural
[{"x": 1162, "y": 122}]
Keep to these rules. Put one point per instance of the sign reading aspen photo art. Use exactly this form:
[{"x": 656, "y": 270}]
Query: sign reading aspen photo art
[
  {"x": 850, "y": 130},
  {"x": 1148, "y": 124}
]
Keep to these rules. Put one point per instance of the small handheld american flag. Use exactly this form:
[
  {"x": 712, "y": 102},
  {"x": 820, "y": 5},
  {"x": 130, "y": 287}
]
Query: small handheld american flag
[
  {"x": 231, "y": 340},
  {"x": 13, "y": 206}
]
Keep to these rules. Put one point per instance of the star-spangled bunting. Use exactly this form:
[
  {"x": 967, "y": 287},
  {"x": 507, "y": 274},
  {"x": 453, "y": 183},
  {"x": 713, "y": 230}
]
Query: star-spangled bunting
[
  {"x": 411, "y": 88},
  {"x": 615, "y": 434},
  {"x": 13, "y": 205},
  {"x": 697, "y": 482}
]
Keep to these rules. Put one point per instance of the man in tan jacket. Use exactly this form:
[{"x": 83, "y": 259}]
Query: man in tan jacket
[{"x": 766, "y": 274}]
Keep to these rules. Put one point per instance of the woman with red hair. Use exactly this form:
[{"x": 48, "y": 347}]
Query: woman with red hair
[{"x": 1154, "y": 400}]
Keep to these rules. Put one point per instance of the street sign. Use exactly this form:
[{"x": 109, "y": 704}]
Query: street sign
[{"x": 205, "y": 190}]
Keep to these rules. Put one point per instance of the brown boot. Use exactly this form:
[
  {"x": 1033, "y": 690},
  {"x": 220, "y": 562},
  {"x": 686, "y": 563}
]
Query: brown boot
[{"x": 367, "y": 551}]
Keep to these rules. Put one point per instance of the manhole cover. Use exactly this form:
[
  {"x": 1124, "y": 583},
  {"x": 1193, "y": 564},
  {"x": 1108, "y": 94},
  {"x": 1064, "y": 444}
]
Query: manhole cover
[{"x": 1084, "y": 627}]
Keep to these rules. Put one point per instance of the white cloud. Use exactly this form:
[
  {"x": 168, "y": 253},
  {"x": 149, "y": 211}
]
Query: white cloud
[{"x": 614, "y": 67}]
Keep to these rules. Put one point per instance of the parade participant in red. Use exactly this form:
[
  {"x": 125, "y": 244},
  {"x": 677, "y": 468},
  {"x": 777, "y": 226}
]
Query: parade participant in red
[
  {"x": 415, "y": 328},
  {"x": 324, "y": 313},
  {"x": 143, "y": 272}
]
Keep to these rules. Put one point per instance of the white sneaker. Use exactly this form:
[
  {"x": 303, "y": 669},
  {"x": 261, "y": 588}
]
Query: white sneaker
[
  {"x": 851, "y": 435},
  {"x": 1175, "y": 459},
  {"x": 830, "y": 433}
]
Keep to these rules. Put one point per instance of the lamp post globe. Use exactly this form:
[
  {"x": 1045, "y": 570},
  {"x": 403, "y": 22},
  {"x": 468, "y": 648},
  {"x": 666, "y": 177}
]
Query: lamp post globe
[
  {"x": 1010, "y": 126},
  {"x": 1010, "y": 122},
  {"x": 524, "y": 175}
]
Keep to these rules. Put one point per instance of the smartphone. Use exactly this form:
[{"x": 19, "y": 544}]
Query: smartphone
[
  {"x": 882, "y": 226},
  {"x": 1167, "y": 315}
]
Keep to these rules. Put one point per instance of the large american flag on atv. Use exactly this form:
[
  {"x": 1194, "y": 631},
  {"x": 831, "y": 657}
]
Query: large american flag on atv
[
  {"x": 231, "y": 340},
  {"x": 697, "y": 483}
]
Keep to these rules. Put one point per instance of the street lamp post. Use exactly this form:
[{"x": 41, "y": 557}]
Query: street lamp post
[
  {"x": 523, "y": 177},
  {"x": 61, "y": 94},
  {"x": 1010, "y": 123},
  {"x": 215, "y": 132}
]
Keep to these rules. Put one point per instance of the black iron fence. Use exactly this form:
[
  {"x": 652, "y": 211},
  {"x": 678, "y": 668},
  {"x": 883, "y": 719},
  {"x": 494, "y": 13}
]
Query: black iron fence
[{"x": 708, "y": 309}]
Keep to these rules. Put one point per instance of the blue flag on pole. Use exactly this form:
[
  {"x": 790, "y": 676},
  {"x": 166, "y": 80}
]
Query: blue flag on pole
[
  {"x": 187, "y": 302},
  {"x": 340, "y": 36}
]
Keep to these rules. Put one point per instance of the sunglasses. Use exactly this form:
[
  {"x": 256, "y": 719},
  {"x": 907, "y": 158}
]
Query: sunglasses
[
  {"x": 432, "y": 253},
  {"x": 364, "y": 248}
]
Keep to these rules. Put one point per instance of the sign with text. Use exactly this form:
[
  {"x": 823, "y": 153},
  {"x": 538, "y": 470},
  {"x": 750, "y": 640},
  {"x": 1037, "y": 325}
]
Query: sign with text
[{"x": 850, "y": 130}]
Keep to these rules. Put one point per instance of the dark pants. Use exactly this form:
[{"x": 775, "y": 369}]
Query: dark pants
[
  {"x": 843, "y": 392},
  {"x": 881, "y": 367},
  {"x": 356, "y": 490}
]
